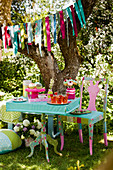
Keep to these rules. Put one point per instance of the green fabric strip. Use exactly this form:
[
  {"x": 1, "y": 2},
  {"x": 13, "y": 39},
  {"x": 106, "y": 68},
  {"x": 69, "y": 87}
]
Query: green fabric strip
[
  {"x": 44, "y": 32},
  {"x": 22, "y": 32}
]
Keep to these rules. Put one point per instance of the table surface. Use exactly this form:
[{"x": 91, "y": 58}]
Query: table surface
[{"x": 43, "y": 107}]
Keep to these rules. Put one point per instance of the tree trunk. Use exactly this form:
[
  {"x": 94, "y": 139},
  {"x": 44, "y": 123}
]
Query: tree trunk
[{"x": 47, "y": 63}]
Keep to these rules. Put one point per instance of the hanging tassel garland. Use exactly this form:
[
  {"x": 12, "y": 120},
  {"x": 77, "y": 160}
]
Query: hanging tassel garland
[{"x": 22, "y": 35}]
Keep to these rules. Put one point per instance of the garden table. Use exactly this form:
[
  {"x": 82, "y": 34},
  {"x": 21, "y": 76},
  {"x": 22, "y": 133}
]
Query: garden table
[{"x": 44, "y": 108}]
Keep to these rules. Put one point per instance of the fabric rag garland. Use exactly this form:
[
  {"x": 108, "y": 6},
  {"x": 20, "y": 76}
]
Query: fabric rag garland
[{"x": 22, "y": 36}]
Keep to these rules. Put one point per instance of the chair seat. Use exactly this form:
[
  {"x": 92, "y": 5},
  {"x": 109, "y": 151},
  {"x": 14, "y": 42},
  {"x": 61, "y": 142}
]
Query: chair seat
[{"x": 94, "y": 116}]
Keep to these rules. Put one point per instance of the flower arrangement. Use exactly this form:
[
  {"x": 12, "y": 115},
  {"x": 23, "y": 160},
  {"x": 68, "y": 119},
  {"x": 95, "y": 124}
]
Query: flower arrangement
[
  {"x": 28, "y": 129},
  {"x": 70, "y": 82}
]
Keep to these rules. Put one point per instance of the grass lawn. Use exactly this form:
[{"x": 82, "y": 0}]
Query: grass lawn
[{"x": 73, "y": 151}]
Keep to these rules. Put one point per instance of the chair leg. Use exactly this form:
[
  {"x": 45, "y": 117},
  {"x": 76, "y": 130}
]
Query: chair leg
[
  {"x": 80, "y": 132},
  {"x": 105, "y": 133},
  {"x": 61, "y": 132},
  {"x": 90, "y": 138}
]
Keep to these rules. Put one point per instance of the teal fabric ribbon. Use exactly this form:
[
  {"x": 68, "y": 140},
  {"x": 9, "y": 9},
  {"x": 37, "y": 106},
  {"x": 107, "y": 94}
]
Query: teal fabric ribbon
[
  {"x": 15, "y": 43},
  {"x": 52, "y": 24},
  {"x": 82, "y": 11},
  {"x": 55, "y": 28},
  {"x": 78, "y": 13},
  {"x": 29, "y": 33},
  {"x": 71, "y": 18},
  {"x": 65, "y": 13}
]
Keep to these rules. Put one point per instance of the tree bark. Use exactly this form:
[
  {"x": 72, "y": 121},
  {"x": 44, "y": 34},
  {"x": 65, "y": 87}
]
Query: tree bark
[{"x": 47, "y": 63}]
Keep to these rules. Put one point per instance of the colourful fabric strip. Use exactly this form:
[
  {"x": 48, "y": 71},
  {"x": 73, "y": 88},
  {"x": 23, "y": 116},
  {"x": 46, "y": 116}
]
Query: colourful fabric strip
[
  {"x": 74, "y": 20},
  {"x": 29, "y": 33},
  {"x": 55, "y": 28},
  {"x": 19, "y": 36},
  {"x": 15, "y": 43},
  {"x": 65, "y": 13},
  {"x": 36, "y": 33},
  {"x": 48, "y": 33},
  {"x": 8, "y": 36},
  {"x": 44, "y": 32},
  {"x": 81, "y": 10},
  {"x": 62, "y": 25},
  {"x": 71, "y": 18},
  {"x": 38, "y": 37},
  {"x": 78, "y": 13},
  {"x": 3, "y": 36},
  {"x": 52, "y": 24},
  {"x": 25, "y": 27},
  {"x": 58, "y": 17},
  {"x": 22, "y": 32}
]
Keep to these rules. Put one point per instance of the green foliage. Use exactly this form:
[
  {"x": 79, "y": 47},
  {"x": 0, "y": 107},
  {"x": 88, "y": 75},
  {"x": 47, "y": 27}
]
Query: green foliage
[{"x": 13, "y": 70}]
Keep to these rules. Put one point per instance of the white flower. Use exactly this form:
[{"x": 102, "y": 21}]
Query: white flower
[
  {"x": 21, "y": 126},
  {"x": 16, "y": 129},
  {"x": 26, "y": 122},
  {"x": 37, "y": 134},
  {"x": 32, "y": 131},
  {"x": 39, "y": 123}
]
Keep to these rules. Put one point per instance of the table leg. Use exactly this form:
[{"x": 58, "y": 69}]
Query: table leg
[
  {"x": 51, "y": 126},
  {"x": 61, "y": 131}
]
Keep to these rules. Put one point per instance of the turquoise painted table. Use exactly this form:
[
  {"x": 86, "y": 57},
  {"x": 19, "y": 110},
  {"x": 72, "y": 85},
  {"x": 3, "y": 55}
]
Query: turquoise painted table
[{"x": 44, "y": 108}]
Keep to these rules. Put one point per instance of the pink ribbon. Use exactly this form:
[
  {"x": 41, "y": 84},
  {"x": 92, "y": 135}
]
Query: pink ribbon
[
  {"x": 74, "y": 21},
  {"x": 62, "y": 25},
  {"x": 48, "y": 33},
  {"x": 5, "y": 37}
]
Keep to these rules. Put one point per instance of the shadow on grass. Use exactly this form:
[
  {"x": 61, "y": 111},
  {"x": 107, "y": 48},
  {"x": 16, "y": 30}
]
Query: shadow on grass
[{"x": 73, "y": 151}]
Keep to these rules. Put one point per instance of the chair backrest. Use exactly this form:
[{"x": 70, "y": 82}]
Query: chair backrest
[{"x": 93, "y": 90}]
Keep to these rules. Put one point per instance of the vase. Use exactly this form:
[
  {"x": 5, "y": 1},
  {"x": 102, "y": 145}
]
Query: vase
[
  {"x": 71, "y": 93},
  {"x": 28, "y": 141}
]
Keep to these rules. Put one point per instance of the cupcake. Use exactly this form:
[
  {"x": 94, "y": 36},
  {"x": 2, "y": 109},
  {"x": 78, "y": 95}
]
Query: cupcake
[
  {"x": 70, "y": 82},
  {"x": 38, "y": 85},
  {"x": 65, "y": 82},
  {"x": 75, "y": 82},
  {"x": 32, "y": 85}
]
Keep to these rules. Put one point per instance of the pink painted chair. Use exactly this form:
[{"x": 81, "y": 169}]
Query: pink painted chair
[{"x": 94, "y": 116}]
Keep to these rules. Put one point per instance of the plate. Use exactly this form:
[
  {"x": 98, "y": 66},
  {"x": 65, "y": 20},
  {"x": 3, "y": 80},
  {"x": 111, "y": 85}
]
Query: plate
[
  {"x": 19, "y": 99},
  {"x": 80, "y": 112},
  {"x": 59, "y": 104}
]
